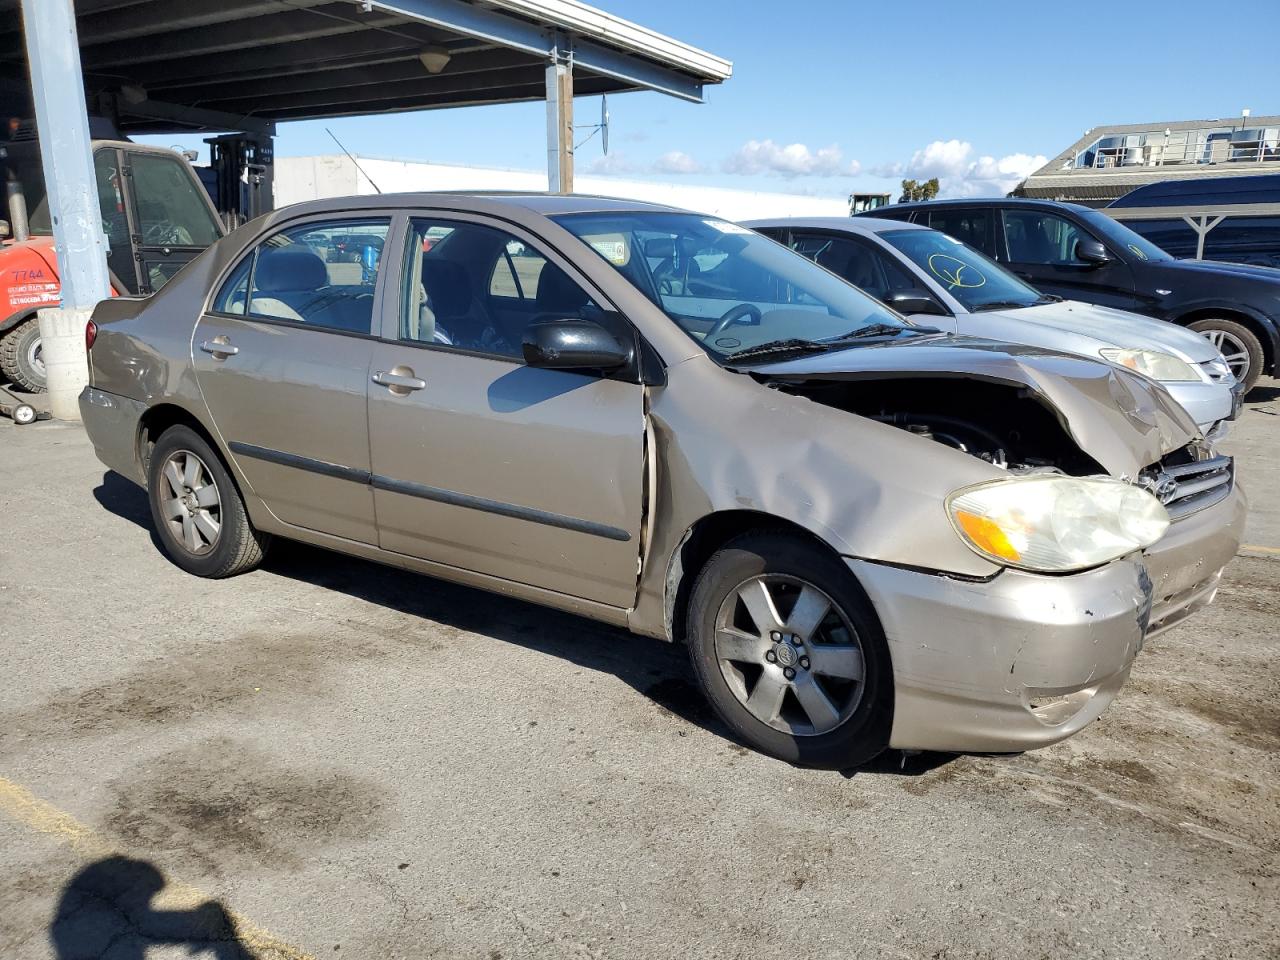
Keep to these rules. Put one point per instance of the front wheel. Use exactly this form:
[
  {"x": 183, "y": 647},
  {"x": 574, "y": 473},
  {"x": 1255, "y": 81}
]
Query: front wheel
[
  {"x": 790, "y": 653},
  {"x": 21, "y": 357},
  {"x": 1238, "y": 345},
  {"x": 197, "y": 509}
]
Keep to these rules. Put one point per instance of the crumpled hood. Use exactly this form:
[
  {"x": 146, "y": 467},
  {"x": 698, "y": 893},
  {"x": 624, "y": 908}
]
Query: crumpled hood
[
  {"x": 1114, "y": 327},
  {"x": 1124, "y": 421}
]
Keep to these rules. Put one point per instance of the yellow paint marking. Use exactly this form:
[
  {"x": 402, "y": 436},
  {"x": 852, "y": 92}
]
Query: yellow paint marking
[
  {"x": 24, "y": 807},
  {"x": 1254, "y": 548}
]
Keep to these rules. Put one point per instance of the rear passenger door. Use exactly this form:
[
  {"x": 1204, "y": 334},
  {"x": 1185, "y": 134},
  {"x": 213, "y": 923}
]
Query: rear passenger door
[
  {"x": 971, "y": 225},
  {"x": 282, "y": 361},
  {"x": 1040, "y": 247}
]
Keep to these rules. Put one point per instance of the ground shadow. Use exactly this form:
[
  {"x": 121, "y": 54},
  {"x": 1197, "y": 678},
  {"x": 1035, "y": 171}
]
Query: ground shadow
[
  {"x": 106, "y": 911},
  {"x": 656, "y": 669}
]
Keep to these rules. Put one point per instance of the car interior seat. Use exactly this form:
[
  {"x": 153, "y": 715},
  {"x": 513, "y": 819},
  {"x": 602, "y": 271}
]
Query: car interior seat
[{"x": 292, "y": 283}]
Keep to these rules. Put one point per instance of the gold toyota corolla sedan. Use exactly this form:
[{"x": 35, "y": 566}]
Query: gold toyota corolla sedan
[{"x": 869, "y": 534}]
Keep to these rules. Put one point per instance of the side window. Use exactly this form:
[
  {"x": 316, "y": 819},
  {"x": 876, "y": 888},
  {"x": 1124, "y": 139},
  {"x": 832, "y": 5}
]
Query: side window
[
  {"x": 171, "y": 205},
  {"x": 516, "y": 272},
  {"x": 859, "y": 263},
  {"x": 234, "y": 294},
  {"x": 477, "y": 288},
  {"x": 1037, "y": 237},
  {"x": 967, "y": 226},
  {"x": 322, "y": 274}
]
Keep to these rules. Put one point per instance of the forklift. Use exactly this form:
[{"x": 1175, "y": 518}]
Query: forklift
[{"x": 158, "y": 212}]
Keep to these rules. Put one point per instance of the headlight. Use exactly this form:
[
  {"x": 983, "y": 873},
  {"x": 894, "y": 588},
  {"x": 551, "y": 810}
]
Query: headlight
[
  {"x": 1151, "y": 363},
  {"x": 1056, "y": 524}
]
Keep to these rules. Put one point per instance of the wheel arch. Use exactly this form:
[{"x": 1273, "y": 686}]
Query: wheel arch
[
  {"x": 1263, "y": 329},
  {"x": 700, "y": 542},
  {"x": 159, "y": 418}
]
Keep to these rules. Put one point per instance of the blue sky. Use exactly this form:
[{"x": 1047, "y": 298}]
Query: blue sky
[{"x": 829, "y": 97}]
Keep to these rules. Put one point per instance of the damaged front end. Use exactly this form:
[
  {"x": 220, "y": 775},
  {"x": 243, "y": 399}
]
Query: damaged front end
[{"x": 869, "y": 449}]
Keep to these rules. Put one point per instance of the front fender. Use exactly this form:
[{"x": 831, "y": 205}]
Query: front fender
[{"x": 724, "y": 442}]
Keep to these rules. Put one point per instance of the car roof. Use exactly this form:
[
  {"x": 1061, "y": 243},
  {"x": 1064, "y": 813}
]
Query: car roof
[
  {"x": 1028, "y": 202},
  {"x": 546, "y": 204},
  {"x": 844, "y": 224}
]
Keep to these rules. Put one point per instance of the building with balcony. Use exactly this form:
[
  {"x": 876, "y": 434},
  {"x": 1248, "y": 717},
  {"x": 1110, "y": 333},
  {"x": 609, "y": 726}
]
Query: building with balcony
[{"x": 1108, "y": 162}]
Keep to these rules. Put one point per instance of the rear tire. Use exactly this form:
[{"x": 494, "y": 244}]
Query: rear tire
[
  {"x": 197, "y": 511},
  {"x": 814, "y": 687},
  {"x": 1238, "y": 344},
  {"x": 20, "y": 356}
]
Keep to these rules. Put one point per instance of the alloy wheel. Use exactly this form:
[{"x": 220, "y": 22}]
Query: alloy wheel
[
  {"x": 789, "y": 655},
  {"x": 190, "y": 502},
  {"x": 1233, "y": 351}
]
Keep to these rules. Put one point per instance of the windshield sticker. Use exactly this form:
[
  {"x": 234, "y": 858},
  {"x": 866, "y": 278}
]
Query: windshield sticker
[
  {"x": 955, "y": 272},
  {"x": 612, "y": 246},
  {"x": 1137, "y": 251},
  {"x": 724, "y": 226}
]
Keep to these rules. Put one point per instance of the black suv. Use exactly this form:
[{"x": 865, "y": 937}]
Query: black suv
[{"x": 1082, "y": 254}]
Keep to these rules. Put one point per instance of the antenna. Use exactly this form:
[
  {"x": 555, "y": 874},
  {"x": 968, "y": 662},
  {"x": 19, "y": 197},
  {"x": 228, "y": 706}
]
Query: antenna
[
  {"x": 601, "y": 128},
  {"x": 353, "y": 160}
]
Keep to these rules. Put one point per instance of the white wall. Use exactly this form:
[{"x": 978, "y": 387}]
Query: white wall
[{"x": 311, "y": 178}]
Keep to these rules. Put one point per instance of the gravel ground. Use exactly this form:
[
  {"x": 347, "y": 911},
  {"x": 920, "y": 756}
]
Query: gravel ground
[{"x": 329, "y": 758}]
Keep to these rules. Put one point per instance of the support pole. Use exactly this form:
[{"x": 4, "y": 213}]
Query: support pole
[
  {"x": 560, "y": 119},
  {"x": 57, "y": 90}
]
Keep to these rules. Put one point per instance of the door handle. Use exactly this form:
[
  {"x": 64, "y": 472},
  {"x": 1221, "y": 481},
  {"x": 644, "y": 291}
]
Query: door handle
[
  {"x": 219, "y": 348},
  {"x": 399, "y": 381}
]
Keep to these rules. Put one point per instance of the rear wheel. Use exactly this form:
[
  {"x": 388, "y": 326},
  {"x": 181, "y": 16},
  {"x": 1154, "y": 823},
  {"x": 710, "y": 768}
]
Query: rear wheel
[
  {"x": 21, "y": 358},
  {"x": 790, "y": 653},
  {"x": 197, "y": 509},
  {"x": 1238, "y": 345}
]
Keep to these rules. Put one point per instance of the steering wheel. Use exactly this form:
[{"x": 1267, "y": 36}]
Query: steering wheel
[
  {"x": 161, "y": 235},
  {"x": 733, "y": 315}
]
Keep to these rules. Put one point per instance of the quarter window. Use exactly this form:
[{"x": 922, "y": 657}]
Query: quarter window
[
  {"x": 1037, "y": 237},
  {"x": 319, "y": 274},
  {"x": 476, "y": 288}
]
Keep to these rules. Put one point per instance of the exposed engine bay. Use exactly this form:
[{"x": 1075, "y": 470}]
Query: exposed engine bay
[{"x": 1009, "y": 427}]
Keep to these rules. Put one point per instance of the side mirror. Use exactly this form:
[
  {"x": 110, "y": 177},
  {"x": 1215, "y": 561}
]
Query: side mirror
[
  {"x": 916, "y": 301},
  {"x": 1092, "y": 252},
  {"x": 572, "y": 345}
]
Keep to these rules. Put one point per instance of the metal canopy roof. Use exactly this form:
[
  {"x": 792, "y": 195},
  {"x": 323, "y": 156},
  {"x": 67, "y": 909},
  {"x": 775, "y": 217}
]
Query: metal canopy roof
[{"x": 160, "y": 66}]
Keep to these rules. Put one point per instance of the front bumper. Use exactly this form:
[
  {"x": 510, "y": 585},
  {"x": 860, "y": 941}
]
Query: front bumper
[
  {"x": 1024, "y": 660},
  {"x": 111, "y": 421}
]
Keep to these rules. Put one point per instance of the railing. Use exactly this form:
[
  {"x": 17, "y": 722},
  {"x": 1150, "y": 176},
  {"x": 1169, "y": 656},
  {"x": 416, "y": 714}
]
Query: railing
[{"x": 1257, "y": 145}]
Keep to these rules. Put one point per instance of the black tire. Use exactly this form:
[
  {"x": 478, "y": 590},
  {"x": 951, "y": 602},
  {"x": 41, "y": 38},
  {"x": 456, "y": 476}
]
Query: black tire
[
  {"x": 237, "y": 547},
  {"x": 864, "y": 730},
  {"x": 1243, "y": 337},
  {"x": 18, "y": 350}
]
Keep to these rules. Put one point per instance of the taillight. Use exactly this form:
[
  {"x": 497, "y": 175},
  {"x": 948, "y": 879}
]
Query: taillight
[{"x": 90, "y": 335}]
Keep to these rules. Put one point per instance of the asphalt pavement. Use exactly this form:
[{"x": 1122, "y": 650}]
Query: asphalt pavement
[{"x": 328, "y": 758}]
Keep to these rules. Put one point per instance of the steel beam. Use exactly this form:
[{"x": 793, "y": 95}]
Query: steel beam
[
  {"x": 509, "y": 31},
  {"x": 197, "y": 118},
  {"x": 65, "y": 152}
]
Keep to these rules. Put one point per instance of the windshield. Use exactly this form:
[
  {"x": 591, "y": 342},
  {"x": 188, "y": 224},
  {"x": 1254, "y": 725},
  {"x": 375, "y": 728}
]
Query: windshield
[
  {"x": 734, "y": 291},
  {"x": 975, "y": 280},
  {"x": 1122, "y": 238}
]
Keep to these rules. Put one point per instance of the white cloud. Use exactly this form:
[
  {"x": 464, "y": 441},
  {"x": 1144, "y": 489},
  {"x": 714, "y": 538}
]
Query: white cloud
[
  {"x": 676, "y": 161},
  {"x": 959, "y": 175},
  {"x": 611, "y": 164},
  {"x": 793, "y": 160}
]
